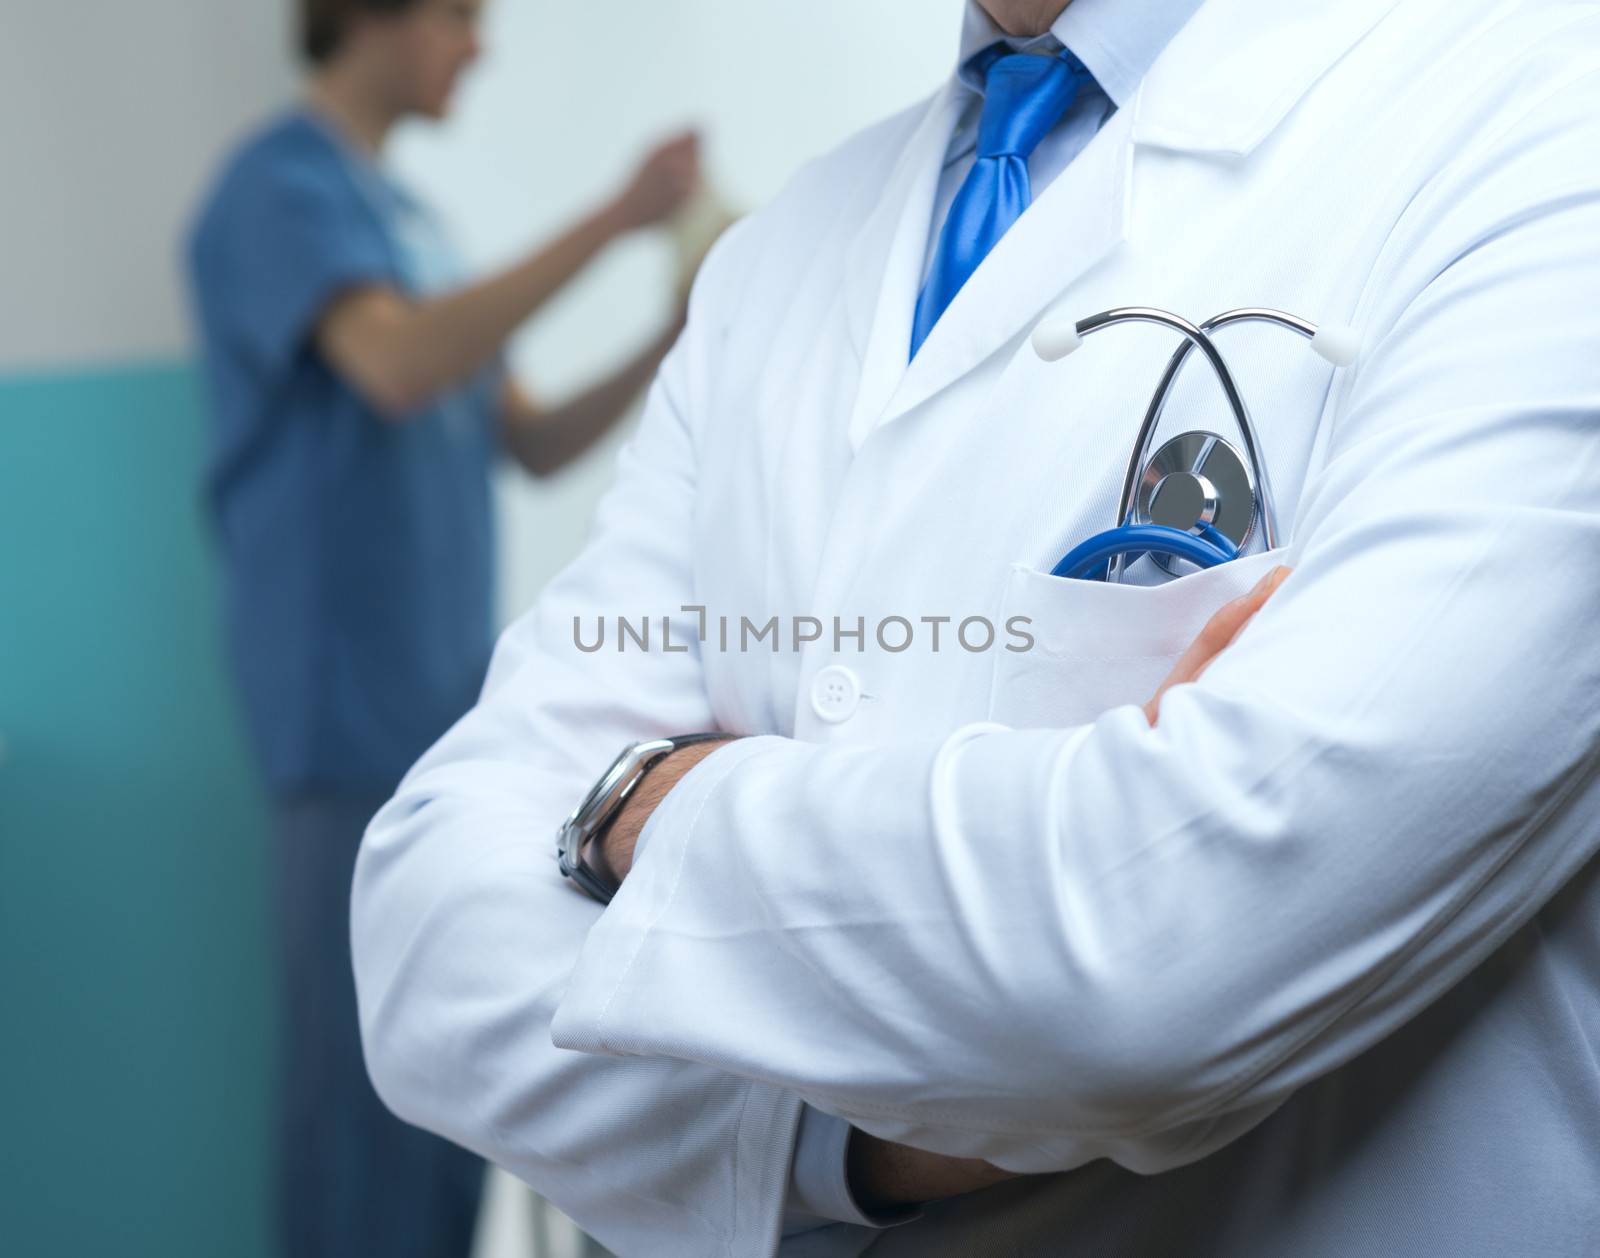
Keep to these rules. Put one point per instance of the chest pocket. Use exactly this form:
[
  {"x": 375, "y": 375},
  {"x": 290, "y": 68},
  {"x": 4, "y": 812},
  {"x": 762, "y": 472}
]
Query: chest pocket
[{"x": 1098, "y": 646}]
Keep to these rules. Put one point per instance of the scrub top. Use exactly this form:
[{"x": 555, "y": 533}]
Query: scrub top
[{"x": 359, "y": 550}]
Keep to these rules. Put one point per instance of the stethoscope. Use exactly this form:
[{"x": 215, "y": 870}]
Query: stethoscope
[{"x": 1197, "y": 498}]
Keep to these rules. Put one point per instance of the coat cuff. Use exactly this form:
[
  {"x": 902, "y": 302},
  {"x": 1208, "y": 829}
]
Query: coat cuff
[
  {"x": 819, "y": 1183},
  {"x": 761, "y": 1163},
  {"x": 615, "y": 941}
]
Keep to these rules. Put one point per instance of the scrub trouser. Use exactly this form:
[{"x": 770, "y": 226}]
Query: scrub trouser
[{"x": 353, "y": 1180}]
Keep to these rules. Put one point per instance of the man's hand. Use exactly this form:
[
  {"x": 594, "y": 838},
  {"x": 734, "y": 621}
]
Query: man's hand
[
  {"x": 622, "y": 835},
  {"x": 884, "y": 1175},
  {"x": 662, "y": 183},
  {"x": 1216, "y": 637}
]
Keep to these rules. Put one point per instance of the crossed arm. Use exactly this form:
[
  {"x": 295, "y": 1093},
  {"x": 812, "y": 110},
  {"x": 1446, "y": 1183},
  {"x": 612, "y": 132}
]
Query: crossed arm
[
  {"x": 883, "y": 1174},
  {"x": 1386, "y": 815}
]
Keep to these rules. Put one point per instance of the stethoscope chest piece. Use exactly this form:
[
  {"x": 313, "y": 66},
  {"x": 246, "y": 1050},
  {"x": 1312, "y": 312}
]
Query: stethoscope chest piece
[{"x": 1195, "y": 482}]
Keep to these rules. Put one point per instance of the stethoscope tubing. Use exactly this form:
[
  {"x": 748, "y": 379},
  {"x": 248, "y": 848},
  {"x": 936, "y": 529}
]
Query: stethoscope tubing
[{"x": 1088, "y": 560}]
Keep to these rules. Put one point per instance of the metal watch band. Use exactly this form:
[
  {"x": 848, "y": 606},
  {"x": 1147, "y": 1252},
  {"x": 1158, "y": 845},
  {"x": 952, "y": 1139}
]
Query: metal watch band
[
  {"x": 591, "y": 881},
  {"x": 599, "y": 808}
]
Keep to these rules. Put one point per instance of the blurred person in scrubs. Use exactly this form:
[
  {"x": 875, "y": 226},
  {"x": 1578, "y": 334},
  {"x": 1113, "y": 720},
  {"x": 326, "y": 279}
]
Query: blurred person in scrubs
[{"x": 360, "y": 401}]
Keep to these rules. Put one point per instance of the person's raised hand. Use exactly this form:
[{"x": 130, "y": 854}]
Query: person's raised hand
[
  {"x": 663, "y": 182},
  {"x": 1216, "y": 637}
]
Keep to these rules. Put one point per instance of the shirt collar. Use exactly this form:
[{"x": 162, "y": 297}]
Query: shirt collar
[{"x": 1117, "y": 40}]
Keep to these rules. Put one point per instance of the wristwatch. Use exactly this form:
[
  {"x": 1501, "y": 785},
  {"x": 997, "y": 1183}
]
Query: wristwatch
[{"x": 579, "y": 850}]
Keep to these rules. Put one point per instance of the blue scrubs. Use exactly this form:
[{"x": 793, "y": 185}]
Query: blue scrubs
[
  {"x": 359, "y": 550},
  {"x": 359, "y": 557}
]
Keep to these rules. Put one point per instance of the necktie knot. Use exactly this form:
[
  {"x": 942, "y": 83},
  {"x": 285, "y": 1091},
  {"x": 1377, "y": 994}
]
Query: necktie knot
[{"x": 1025, "y": 96}]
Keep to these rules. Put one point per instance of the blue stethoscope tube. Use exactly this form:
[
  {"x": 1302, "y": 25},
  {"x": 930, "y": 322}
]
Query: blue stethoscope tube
[{"x": 1090, "y": 560}]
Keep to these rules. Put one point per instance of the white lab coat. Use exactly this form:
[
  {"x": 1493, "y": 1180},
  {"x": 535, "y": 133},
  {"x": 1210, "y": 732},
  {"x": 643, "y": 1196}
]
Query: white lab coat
[{"x": 984, "y": 909}]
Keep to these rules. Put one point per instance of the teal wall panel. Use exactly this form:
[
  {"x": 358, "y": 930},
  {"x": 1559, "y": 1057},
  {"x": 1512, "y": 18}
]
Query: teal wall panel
[{"x": 136, "y": 1018}]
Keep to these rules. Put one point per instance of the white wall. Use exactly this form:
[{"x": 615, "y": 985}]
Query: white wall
[
  {"x": 112, "y": 115},
  {"x": 552, "y": 119}
]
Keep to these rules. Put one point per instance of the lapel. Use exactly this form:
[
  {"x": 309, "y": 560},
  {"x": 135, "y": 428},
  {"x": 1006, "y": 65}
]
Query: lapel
[
  {"x": 884, "y": 267},
  {"x": 1226, "y": 81},
  {"x": 1071, "y": 226}
]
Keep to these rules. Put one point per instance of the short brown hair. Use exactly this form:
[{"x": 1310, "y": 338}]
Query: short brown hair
[{"x": 323, "y": 23}]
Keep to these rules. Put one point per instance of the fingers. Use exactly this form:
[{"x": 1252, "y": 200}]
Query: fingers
[
  {"x": 679, "y": 156},
  {"x": 1245, "y": 610},
  {"x": 1223, "y": 627},
  {"x": 665, "y": 179},
  {"x": 1217, "y": 636},
  {"x": 1231, "y": 618}
]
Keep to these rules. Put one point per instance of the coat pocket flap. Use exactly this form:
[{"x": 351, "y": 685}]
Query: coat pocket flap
[{"x": 1098, "y": 646}]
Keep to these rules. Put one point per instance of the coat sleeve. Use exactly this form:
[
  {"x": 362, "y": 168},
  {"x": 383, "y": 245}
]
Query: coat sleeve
[
  {"x": 1047, "y": 946},
  {"x": 465, "y": 934}
]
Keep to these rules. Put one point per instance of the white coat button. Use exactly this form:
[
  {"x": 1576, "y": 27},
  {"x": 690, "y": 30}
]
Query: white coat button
[{"x": 835, "y": 694}]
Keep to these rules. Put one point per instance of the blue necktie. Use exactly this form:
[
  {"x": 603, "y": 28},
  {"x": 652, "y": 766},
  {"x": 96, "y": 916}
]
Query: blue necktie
[{"x": 1025, "y": 96}]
